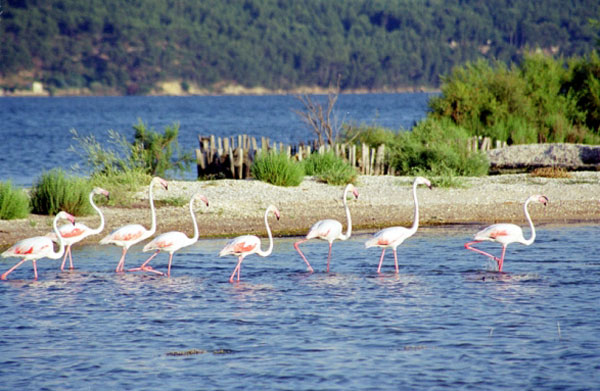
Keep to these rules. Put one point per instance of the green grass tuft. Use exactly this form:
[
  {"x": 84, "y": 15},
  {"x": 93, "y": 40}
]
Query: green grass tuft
[
  {"x": 54, "y": 191},
  {"x": 14, "y": 203},
  {"x": 277, "y": 169},
  {"x": 329, "y": 168}
]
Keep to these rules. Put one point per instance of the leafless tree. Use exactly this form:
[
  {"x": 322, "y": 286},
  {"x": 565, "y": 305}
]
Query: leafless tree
[{"x": 319, "y": 118}]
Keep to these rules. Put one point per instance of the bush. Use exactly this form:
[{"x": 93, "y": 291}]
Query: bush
[
  {"x": 54, "y": 191},
  {"x": 14, "y": 203},
  {"x": 120, "y": 185},
  {"x": 435, "y": 147},
  {"x": 329, "y": 168},
  {"x": 277, "y": 169},
  {"x": 538, "y": 101}
]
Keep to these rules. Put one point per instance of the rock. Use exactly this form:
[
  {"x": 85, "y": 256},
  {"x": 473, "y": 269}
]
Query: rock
[{"x": 529, "y": 156}]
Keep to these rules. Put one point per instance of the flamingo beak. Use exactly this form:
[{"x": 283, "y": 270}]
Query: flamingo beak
[{"x": 355, "y": 192}]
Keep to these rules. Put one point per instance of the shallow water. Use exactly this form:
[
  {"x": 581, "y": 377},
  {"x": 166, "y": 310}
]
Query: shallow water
[{"x": 447, "y": 321}]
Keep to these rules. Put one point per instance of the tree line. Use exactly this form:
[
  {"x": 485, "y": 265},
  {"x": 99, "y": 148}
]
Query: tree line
[{"x": 111, "y": 46}]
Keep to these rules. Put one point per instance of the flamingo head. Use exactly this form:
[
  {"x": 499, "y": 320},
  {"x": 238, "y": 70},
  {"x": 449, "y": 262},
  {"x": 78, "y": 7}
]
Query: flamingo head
[
  {"x": 275, "y": 211},
  {"x": 423, "y": 181},
  {"x": 350, "y": 187},
  {"x": 99, "y": 190},
  {"x": 66, "y": 216},
  {"x": 542, "y": 199},
  {"x": 160, "y": 181},
  {"x": 201, "y": 197}
]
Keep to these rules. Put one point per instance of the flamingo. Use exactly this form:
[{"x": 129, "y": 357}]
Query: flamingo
[
  {"x": 329, "y": 229},
  {"x": 171, "y": 241},
  {"x": 37, "y": 247},
  {"x": 394, "y": 236},
  {"x": 131, "y": 234},
  {"x": 242, "y": 246},
  {"x": 507, "y": 233},
  {"x": 73, "y": 233}
]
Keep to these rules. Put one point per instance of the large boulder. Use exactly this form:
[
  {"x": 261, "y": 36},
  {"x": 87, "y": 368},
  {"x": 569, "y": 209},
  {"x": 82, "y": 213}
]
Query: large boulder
[{"x": 530, "y": 156}]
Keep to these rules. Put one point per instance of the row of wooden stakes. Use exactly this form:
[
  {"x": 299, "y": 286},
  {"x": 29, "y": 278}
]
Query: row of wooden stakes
[{"x": 232, "y": 157}]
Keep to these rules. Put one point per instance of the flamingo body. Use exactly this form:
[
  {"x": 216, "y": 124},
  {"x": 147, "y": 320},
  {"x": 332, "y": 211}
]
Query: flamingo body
[
  {"x": 74, "y": 233},
  {"x": 329, "y": 229},
  {"x": 131, "y": 234},
  {"x": 392, "y": 237},
  {"x": 32, "y": 249},
  {"x": 505, "y": 233},
  {"x": 172, "y": 241},
  {"x": 245, "y": 245}
]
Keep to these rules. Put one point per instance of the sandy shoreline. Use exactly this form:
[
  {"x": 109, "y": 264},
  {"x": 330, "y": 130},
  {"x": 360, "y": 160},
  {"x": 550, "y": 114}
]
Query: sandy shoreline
[{"x": 237, "y": 206}]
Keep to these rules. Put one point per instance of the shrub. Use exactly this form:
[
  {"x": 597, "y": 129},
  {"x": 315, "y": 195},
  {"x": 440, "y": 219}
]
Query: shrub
[
  {"x": 120, "y": 185},
  {"x": 277, "y": 169},
  {"x": 14, "y": 203},
  {"x": 329, "y": 168},
  {"x": 54, "y": 191},
  {"x": 435, "y": 147}
]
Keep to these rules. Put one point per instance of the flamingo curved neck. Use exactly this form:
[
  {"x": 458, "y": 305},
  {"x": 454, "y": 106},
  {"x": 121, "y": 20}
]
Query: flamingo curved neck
[
  {"x": 61, "y": 243},
  {"x": 415, "y": 224},
  {"x": 196, "y": 233},
  {"x": 270, "y": 249},
  {"x": 153, "y": 226},
  {"x": 101, "y": 226},
  {"x": 529, "y": 241},
  {"x": 348, "y": 217}
]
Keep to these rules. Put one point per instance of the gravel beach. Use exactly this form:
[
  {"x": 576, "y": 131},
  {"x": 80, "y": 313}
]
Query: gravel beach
[{"x": 237, "y": 206}]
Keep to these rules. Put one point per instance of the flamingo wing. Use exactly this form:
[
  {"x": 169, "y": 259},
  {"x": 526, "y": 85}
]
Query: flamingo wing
[
  {"x": 501, "y": 233},
  {"x": 389, "y": 237},
  {"x": 168, "y": 241},
  {"x": 325, "y": 229},
  {"x": 128, "y": 234},
  {"x": 31, "y": 248},
  {"x": 247, "y": 244}
]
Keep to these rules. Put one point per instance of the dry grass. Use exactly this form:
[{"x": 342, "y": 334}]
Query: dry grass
[{"x": 551, "y": 172}]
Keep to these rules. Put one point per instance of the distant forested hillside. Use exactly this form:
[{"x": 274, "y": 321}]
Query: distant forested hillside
[{"x": 130, "y": 46}]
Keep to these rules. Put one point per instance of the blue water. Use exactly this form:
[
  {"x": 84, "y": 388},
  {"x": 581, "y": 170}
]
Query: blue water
[
  {"x": 36, "y": 135},
  {"x": 445, "y": 322}
]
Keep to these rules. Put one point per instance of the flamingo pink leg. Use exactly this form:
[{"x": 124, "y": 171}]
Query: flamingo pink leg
[
  {"x": 3, "y": 277},
  {"x": 169, "y": 267},
  {"x": 62, "y": 265},
  {"x": 329, "y": 256},
  {"x": 500, "y": 261},
  {"x": 381, "y": 260},
  {"x": 310, "y": 269},
  {"x": 35, "y": 275},
  {"x": 70, "y": 258},
  {"x": 146, "y": 268},
  {"x": 121, "y": 264},
  {"x": 396, "y": 261},
  {"x": 237, "y": 269}
]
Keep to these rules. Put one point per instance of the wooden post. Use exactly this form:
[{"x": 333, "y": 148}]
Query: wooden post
[{"x": 240, "y": 163}]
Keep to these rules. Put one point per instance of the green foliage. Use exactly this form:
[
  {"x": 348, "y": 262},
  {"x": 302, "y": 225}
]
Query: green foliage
[
  {"x": 55, "y": 192},
  {"x": 583, "y": 86},
  {"x": 277, "y": 169},
  {"x": 120, "y": 184},
  {"x": 329, "y": 168},
  {"x": 14, "y": 203},
  {"x": 536, "y": 101},
  {"x": 153, "y": 152},
  {"x": 122, "y": 47},
  {"x": 150, "y": 152}
]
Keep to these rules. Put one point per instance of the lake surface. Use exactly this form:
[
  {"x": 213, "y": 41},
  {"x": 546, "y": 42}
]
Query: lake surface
[
  {"x": 36, "y": 133},
  {"x": 447, "y": 321}
]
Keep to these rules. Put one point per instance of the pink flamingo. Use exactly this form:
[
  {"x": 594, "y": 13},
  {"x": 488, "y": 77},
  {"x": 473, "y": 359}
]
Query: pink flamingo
[
  {"x": 74, "y": 233},
  {"x": 329, "y": 229},
  {"x": 242, "y": 246},
  {"x": 171, "y": 241},
  {"x": 37, "y": 247},
  {"x": 394, "y": 236},
  {"x": 506, "y": 233},
  {"x": 131, "y": 234}
]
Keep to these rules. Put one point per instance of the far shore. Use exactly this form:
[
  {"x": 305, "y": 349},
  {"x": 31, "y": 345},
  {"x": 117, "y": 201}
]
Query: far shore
[{"x": 237, "y": 206}]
